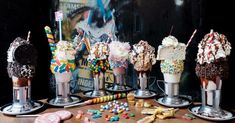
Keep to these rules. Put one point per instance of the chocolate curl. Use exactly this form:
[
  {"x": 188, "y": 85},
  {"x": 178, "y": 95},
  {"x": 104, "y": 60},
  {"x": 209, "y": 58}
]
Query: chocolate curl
[
  {"x": 191, "y": 37},
  {"x": 50, "y": 38}
]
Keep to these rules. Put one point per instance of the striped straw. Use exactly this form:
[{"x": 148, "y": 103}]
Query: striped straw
[
  {"x": 191, "y": 37},
  {"x": 28, "y": 36}
]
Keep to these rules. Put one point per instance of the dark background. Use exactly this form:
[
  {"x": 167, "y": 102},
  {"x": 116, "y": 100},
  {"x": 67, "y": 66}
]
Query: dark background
[{"x": 149, "y": 20}]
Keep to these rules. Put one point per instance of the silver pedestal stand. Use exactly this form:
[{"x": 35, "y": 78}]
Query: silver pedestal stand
[
  {"x": 22, "y": 103},
  {"x": 143, "y": 92},
  {"x": 210, "y": 107},
  {"x": 172, "y": 97},
  {"x": 63, "y": 96},
  {"x": 99, "y": 87},
  {"x": 119, "y": 84}
]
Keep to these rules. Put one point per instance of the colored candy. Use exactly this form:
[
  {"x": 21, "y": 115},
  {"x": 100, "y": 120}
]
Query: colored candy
[
  {"x": 63, "y": 54},
  {"x": 97, "y": 59}
]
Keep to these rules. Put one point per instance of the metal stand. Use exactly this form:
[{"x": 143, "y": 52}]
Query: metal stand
[
  {"x": 172, "y": 97},
  {"x": 119, "y": 84},
  {"x": 211, "y": 108},
  {"x": 99, "y": 87},
  {"x": 143, "y": 92},
  {"x": 22, "y": 102},
  {"x": 63, "y": 96}
]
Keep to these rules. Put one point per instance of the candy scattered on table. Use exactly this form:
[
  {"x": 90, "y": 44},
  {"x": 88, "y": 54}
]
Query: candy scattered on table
[
  {"x": 87, "y": 120},
  {"x": 188, "y": 117},
  {"x": 139, "y": 103},
  {"x": 147, "y": 105},
  {"x": 158, "y": 112},
  {"x": 131, "y": 99},
  {"x": 115, "y": 107}
]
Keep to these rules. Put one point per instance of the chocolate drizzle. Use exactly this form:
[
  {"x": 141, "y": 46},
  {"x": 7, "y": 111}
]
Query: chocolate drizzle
[{"x": 209, "y": 71}]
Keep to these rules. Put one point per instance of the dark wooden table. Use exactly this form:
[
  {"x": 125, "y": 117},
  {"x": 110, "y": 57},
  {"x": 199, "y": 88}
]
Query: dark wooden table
[{"x": 136, "y": 111}]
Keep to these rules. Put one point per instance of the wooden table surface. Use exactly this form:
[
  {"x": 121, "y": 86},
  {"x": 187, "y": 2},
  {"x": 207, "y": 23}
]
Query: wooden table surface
[{"x": 136, "y": 111}]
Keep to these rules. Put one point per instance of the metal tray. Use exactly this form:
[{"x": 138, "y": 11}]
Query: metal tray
[
  {"x": 142, "y": 94},
  {"x": 229, "y": 115},
  {"x": 75, "y": 98},
  {"x": 37, "y": 105},
  {"x": 186, "y": 102},
  {"x": 88, "y": 94}
]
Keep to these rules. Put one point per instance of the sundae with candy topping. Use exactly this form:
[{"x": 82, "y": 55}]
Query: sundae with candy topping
[
  {"x": 64, "y": 58},
  {"x": 171, "y": 53},
  {"x": 98, "y": 57}
]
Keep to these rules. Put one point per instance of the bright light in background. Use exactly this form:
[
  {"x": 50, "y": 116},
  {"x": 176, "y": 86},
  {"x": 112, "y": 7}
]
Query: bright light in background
[{"x": 179, "y": 2}]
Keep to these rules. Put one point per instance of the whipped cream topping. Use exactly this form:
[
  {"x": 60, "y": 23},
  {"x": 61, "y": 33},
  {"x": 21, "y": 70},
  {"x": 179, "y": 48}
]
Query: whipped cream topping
[
  {"x": 64, "y": 51},
  {"x": 213, "y": 46},
  {"x": 170, "y": 41},
  {"x": 99, "y": 51}
]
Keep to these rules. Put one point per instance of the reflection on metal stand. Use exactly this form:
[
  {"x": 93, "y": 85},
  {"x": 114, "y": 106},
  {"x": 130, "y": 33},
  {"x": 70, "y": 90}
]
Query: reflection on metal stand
[
  {"x": 22, "y": 102},
  {"x": 143, "y": 92},
  {"x": 210, "y": 107},
  {"x": 172, "y": 97},
  {"x": 119, "y": 84},
  {"x": 63, "y": 96},
  {"x": 99, "y": 87}
]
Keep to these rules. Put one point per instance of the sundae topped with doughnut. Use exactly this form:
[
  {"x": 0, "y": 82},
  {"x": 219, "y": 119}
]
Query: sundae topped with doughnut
[{"x": 21, "y": 58}]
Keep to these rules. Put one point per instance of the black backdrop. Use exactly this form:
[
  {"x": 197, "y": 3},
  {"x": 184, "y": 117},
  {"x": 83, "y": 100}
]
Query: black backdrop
[{"x": 155, "y": 18}]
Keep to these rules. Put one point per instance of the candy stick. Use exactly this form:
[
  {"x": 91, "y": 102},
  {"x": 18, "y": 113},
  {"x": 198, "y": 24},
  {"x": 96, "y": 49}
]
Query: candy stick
[
  {"x": 99, "y": 100},
  {"x": 191, "y": 37},
  {"x": 50, "y": 38},
  {"x": 28, "y": 36}
]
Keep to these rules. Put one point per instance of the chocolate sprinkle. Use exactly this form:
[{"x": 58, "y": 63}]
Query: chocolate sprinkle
[{"x": 209, "y": 71}]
